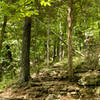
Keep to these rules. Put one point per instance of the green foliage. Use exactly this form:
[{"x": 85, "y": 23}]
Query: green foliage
[
  {"x": 9, "y": 68},
  {"x": 85, "y": 17},
  {"x": 7, "y": 81},
  {"x": 14, "y": 47},
  {"x": 45, "y": 3}
]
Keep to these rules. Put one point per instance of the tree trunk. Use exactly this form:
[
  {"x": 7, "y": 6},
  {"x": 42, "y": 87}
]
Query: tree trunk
[
  {"x": 70, "y": 39},
  {"x": 25, "y": 64},
  {"x": 63, "y": 52},
  {"x": 58, "y": 42},
  {"x": 3, "y": 31},
  {"x": 99, "y": 30},
  {"x": 60, "y": 47},
  {"x": 48, "y": 40},
  {"x": 36, "y": 38},
  {"x": 54, "y": 50}
]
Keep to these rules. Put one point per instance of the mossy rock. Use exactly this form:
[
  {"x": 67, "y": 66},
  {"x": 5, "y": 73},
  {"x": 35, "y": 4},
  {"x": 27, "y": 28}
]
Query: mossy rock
[{"x": 90, "y": 79}]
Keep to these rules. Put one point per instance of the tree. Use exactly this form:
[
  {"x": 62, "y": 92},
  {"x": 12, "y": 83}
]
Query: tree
[
  {"x": 25, "y": 63},
  {"x": 70, "y": 39},
  {"x": 3, "y": 31},
  {"x": 48, "y": 40},
  {"x": 60, "y": 47}
]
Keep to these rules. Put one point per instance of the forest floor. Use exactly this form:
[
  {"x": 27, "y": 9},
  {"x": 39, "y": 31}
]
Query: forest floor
[{"x": 51, "y": 84}]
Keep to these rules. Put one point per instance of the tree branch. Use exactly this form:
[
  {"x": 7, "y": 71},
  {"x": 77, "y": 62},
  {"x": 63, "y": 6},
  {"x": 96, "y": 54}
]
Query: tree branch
[{"x": 60, "y": 38}]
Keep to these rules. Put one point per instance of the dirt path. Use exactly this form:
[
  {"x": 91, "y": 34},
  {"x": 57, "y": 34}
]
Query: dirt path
[{"x": 49, "y": 84}]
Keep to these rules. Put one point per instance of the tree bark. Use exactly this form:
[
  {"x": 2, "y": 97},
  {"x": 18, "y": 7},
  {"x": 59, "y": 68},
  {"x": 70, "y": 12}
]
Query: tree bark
[
  {"x": 3, "y": 31},
  {"x": 36, "y": 38},
  {"x": 48, "y": 40},
  {"x": 70, "y": 39},
  {"x": 60, "y": 47},
  {"x": 99, "y": 30},
  {"x": 25, "y": 62},
  {"x": 54, "y": 50}
]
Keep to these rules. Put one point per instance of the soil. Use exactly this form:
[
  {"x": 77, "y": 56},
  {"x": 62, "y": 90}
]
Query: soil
[{"x": 50, "y": 84}]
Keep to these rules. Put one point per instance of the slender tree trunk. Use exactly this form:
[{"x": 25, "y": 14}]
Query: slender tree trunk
[
  {"x": 99, "y": 36},
  {"x": 54, "y": 50},
  {"x": 58, "y": 42},
  {"x": 70, "y": 39},
  {"x": 3, "y": 31},
  {"x": 60, "y": 48},
  {"x": 99, "y": 30},
  {"x": 48, "y": 40},
  {"x": 63, "y": 52},
  {"x": 36, "y": 37},
  {"x": 25, "y": 64},
  {"x": 38, "y": 6}
]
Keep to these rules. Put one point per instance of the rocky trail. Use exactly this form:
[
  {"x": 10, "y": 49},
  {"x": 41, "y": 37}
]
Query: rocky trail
[{"x": 51, "y": 84}]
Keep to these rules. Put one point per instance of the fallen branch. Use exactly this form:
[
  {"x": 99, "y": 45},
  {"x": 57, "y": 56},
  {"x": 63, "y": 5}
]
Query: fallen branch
[{"x": 79, "y": 52}]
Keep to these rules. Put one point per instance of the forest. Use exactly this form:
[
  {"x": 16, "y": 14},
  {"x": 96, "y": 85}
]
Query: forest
[{"x": 49, "y": 49}]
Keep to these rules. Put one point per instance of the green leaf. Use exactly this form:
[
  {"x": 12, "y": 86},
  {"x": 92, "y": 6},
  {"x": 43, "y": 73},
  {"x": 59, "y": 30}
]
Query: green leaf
[{"x": 42, "y": 3}]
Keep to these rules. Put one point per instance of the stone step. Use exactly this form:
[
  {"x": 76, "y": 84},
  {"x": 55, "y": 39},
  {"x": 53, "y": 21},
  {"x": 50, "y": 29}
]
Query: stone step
[{"x": 36, "y": 84}]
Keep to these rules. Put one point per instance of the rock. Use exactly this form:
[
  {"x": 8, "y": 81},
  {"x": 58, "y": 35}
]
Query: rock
[
  {"x": 73, "y": 93},
  {"x": 99, "y": 59},
  {"x": 97, "y": 91},
  {"x": 1, "y": 91},
  {"x": 36, "y": 84},
  {"x": 52, "y": 97},
  {"x": 90, "y": 79}
]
